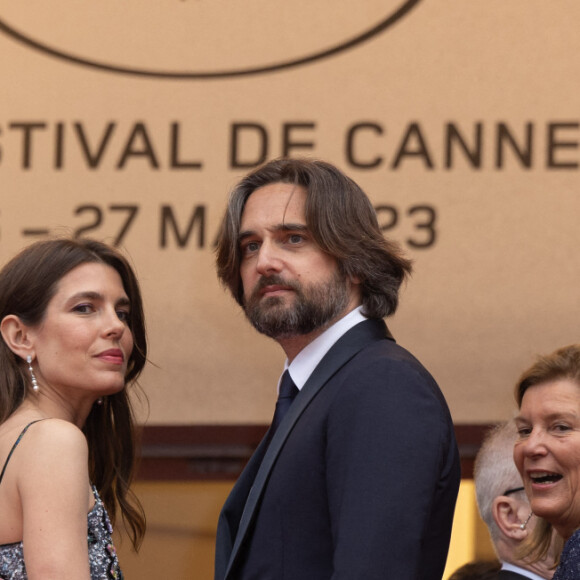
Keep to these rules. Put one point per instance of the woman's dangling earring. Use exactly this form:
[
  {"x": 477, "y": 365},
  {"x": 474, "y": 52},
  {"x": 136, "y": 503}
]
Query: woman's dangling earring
[
  {"x": 32, "y": 376},
  {"x": 523, "y": 525}
]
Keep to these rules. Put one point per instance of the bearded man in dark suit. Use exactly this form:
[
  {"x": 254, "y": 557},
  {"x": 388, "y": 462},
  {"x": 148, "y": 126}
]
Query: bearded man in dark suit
[{"x": 359, "y": 479}]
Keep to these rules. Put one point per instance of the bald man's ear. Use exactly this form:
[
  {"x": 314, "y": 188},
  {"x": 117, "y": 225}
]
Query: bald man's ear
[{"x": 509, "y": 515}]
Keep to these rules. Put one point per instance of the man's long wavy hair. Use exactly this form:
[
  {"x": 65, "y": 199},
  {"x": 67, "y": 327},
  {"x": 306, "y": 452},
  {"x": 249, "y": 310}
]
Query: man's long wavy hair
[
  {"x": 341, "y": 220},
  {"x": 562, "y": 364},
  {"x": 27, "y": 284}
]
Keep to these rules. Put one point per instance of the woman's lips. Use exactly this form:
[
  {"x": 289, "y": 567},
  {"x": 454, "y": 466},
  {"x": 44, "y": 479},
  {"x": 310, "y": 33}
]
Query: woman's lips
[
  {"x": 542, "y": 479},
  {"x": 113, "y": 355}
]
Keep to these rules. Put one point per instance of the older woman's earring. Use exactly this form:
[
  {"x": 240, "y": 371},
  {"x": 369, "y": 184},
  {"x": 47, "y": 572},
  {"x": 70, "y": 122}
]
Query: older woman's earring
[
  {"x": 32, "y": 376},
  {"x": 523, "y": 526}
]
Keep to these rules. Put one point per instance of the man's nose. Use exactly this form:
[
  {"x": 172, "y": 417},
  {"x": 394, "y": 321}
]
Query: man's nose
[{"x": 269, "y": 259}]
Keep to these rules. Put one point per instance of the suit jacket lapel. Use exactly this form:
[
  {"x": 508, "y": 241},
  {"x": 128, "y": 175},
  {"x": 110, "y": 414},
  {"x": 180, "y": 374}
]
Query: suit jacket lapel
[
  {"x": 231, "y": 513},
  {"x": 340, "y": 353}
]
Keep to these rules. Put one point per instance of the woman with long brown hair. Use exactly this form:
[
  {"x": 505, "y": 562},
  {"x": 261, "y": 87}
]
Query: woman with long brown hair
[{"x": 72, "y": 341}]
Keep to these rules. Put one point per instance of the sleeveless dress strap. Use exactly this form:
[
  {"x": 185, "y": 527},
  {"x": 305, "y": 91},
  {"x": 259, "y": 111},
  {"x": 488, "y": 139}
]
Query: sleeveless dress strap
[{"x": 15, "y": 445}]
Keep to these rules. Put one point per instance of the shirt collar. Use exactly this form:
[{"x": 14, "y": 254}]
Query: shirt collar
[
  {"x": 308, "y": 358},
  {"x": 518, "y": 570}
]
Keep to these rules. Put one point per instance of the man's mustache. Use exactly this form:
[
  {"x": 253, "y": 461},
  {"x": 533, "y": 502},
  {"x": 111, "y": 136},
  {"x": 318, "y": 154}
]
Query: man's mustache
[{"x": 273, "y": 280}]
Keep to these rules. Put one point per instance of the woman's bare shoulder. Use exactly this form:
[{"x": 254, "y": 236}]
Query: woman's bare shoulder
[
  {"x": 57, "y": 435},
  {"x": 51, "y": 445}
]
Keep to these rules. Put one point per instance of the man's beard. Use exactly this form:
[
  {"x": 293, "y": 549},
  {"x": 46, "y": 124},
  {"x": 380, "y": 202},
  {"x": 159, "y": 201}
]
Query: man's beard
[{"x": 314, "y": 307}]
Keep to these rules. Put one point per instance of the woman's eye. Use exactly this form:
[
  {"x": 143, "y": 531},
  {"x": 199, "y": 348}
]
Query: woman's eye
[
  {"x": 562, "y": 428},
  {"x": 123, "y": 315},
  {"x": 83, "y": 308},
  {"x": 524, "y": 431}
]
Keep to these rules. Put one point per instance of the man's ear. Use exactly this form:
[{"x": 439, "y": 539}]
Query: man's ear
[
  {"x": 17, "y": 336},
  {"x": 509, "y": 515}
]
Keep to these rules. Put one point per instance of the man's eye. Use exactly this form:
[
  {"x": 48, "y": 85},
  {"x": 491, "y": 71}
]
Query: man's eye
[
  {"x": 295, "y": 238},
  {"x": 250, "y": 247}
]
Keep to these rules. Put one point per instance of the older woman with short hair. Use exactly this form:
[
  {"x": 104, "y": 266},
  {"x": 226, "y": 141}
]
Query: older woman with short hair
[{"x": 547, "y": 452}]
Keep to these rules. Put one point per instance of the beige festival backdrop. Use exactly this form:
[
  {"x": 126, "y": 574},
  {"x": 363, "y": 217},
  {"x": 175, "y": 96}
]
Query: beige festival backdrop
[{"x": 130, "y": 122}]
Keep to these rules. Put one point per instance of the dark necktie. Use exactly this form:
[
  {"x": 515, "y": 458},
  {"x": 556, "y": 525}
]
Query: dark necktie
[{"x": 288, "y": 390}]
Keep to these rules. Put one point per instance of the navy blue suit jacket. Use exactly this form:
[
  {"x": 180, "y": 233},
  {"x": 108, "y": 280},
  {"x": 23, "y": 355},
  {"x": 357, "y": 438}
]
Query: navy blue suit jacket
[
  {"x": 358, "y": 483},
  {"x": 509, "y": 575}
]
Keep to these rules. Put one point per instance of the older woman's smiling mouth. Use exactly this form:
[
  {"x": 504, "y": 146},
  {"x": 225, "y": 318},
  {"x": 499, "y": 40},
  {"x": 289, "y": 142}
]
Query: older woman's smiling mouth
[{"x": 544, "y": 477}]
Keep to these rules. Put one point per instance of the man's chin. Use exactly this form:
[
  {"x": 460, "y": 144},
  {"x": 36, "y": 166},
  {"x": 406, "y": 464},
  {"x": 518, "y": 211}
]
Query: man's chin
[
  {"x": 273, "y": 320},
  {"x": 268, "y": 306}
]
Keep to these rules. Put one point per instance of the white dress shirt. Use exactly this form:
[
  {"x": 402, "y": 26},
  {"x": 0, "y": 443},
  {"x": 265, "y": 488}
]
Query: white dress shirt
[
  {"x": 522, "y": 571},
  {"x": 308, "y": 358}
]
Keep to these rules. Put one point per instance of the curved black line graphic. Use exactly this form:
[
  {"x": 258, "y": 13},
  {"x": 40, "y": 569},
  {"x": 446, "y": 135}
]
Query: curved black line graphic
[{"x": 398, "y": 14}]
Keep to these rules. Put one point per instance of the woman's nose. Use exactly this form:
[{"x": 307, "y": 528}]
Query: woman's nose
[
  {"x": 534, "y": 444},
  {"x": 113, "y": 324}
]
